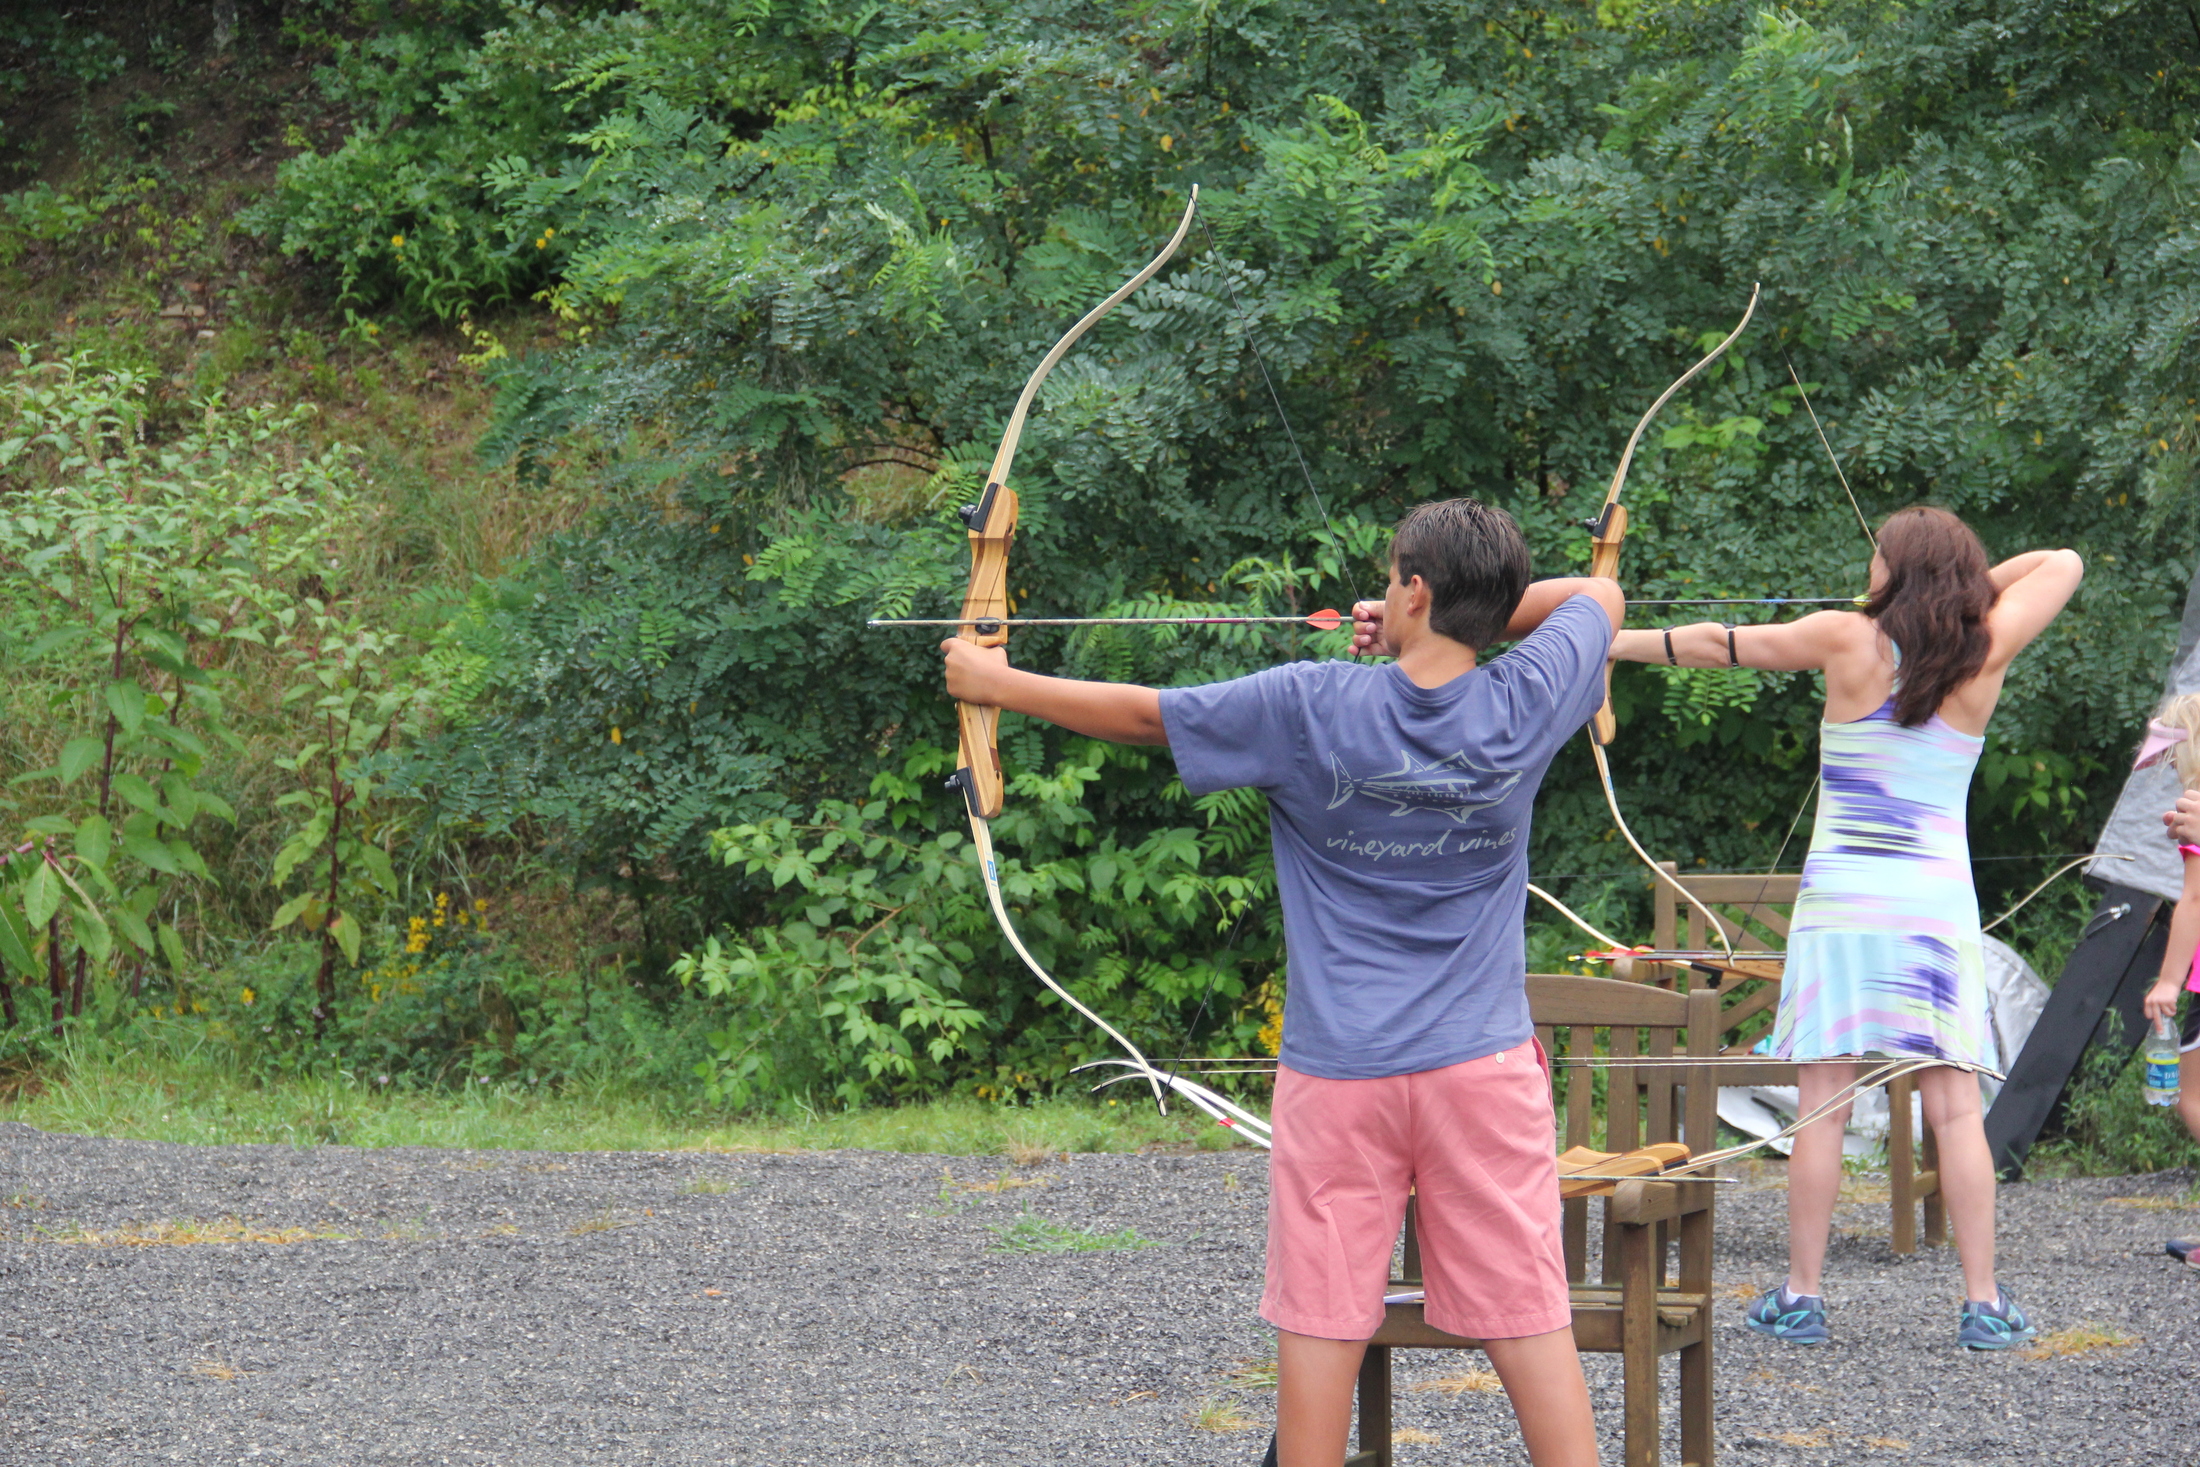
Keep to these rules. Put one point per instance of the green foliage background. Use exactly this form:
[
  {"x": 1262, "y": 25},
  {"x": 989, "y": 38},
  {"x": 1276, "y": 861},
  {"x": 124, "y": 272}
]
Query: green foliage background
[{"x": 801, "y": 255}]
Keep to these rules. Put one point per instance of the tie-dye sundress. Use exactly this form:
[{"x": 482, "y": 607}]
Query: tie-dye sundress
[{"x": 1884, "y": 954}]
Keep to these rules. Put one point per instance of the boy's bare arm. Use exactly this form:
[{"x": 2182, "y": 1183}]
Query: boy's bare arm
[
  {"x": 1122, "y": 713},
  {"x": 1544, "y": 597},
  {"x": 1536, "y": 604}
]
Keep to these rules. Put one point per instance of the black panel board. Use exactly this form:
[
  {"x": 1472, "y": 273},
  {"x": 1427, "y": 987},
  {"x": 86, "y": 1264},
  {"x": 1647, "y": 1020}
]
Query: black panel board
[{"x": 2109, "y": 972}]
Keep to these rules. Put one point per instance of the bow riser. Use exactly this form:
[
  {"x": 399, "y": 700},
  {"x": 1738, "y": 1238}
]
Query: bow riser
[
  {"x": 1608, "y": 531},
  {"x": 992, "y": 522}
]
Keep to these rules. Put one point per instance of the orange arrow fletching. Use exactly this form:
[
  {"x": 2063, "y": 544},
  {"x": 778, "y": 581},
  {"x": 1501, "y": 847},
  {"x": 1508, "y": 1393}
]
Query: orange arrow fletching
[{"x": 1326, "y": 620}]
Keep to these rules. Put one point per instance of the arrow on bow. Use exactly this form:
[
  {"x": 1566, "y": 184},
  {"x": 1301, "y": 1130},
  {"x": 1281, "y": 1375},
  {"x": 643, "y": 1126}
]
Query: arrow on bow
[{"x": 984, "y": 622}]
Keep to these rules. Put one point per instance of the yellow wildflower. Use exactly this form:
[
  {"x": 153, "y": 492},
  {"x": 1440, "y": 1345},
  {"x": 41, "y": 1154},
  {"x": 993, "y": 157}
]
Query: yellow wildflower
[
  {"x": 397, "y": 241},
  {"x": 247, "y": 995}
]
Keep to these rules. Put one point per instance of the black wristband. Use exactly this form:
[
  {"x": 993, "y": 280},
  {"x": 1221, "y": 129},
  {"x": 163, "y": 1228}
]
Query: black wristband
[
  {"x": 1670, "y": 659},
  {"x": 1733, "y": 659}
]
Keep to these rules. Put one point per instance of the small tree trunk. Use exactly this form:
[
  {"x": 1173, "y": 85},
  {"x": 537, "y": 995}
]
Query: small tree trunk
[
  {"x": 76, "y": 988},
  {"x": 324, "y": 982},
  {"x": 56, "y": 985},
  {"x": 7, "y": 998}
]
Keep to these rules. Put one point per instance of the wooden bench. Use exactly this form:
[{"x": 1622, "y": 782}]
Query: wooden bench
[
  {"x": 1639, "y": 1308},
  {"x": 1753, "y": 911}
]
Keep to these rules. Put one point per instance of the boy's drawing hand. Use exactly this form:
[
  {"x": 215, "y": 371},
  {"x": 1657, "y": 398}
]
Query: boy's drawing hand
[
  {"x": 974, "y": 673},
  {"x": 1368, "y": 639},
  {"x": 2184, "y": 821},
  {"x": 2162, "y": 1001}
]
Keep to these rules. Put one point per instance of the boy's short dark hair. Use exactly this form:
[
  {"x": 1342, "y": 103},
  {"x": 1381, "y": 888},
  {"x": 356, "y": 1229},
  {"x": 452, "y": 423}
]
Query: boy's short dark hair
[{"x": 1474, "y": 561}]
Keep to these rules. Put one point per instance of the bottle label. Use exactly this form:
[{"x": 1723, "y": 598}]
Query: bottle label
[{"x": 2161, "y": 1081}]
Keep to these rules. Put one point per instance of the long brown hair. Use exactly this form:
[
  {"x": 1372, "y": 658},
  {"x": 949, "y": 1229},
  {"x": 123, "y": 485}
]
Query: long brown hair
[{"x": 1933, "y": 606}]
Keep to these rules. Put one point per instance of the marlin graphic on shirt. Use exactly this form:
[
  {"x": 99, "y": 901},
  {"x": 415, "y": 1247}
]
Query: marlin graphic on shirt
[{"x": 1455, "y": 786}]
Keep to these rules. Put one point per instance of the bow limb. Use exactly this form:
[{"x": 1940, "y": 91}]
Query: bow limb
[
  {"x": 992, "y": 525},
  {"x": 1608, "y": 532}
]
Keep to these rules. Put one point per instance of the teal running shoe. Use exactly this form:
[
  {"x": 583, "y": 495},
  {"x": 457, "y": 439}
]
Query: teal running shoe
[
  {"x": 1800, "y": 1319},
  {"x": 1995, "y": 1326}
]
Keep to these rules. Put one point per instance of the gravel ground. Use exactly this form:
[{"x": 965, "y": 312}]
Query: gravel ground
[{"x": 167, "y": 1303}]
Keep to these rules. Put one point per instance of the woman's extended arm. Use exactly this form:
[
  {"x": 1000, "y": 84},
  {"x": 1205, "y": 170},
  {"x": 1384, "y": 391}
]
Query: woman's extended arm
[{"x": 1797, "y": 646}]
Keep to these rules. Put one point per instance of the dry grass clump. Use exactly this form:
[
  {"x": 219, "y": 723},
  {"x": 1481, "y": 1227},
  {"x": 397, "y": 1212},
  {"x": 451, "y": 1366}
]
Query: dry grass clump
[
  {"x": 2078, "y": 1339},
  {"x": 185, "y": 1233},
  {"x": 1216, "y": 1414},
  {"x": 1464, "y": 1383},
  {"x": 1819, "y": 1438},
  {"x": 1254, "y": 1374}
]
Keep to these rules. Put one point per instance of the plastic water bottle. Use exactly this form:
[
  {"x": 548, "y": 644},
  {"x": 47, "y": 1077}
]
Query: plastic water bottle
[{"x": 2161, "y": 1058}]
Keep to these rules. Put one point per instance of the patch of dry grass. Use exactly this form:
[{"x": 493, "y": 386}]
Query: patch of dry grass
[
  {"x": 603, "y": 1222},
  {"x": 1005, "y": 1182},
  {"x": 2078, "y": 1339},
  {"x": 185, "y": 1233},
  {"x": 1466, "y": 1382},
  {"x": 1027, "y": 1153},
  {"x": 1885, "y": 1443},
  {"x": 2154, "y": 1204},
  {"x": 1413, "y": 1436},
  {"x": 1216, "y": 1414},
  {"x": 1254, "y": 1374},
  {"x": 214, "y": 1368},
  {"x": 1819, "y": 1438}
]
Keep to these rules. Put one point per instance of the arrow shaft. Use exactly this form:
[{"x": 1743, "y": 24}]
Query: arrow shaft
[{"x": 1084, "y": 621}]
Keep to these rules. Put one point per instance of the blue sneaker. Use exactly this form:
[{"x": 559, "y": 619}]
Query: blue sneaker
[
  {"x": 1800, "y": 1319},
  {"x": 1995, "y": 1326}
]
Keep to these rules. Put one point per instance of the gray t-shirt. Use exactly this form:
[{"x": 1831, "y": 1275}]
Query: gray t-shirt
[{"x": 1399, "y": 816}]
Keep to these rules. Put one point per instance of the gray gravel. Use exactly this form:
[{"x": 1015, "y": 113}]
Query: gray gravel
[{"x": 857, "y": 1308}]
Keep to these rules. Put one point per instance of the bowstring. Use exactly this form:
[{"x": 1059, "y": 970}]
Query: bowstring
[
  {"x": 1836, "y": 458},
  {"x": 1283, "y": 419}
]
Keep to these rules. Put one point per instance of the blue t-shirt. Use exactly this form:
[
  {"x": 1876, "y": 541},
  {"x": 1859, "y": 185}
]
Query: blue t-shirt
[{"x": 1399, "y": 816}]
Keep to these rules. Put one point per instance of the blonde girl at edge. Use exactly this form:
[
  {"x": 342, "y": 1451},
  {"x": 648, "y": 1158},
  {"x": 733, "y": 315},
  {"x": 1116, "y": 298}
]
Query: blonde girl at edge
[
  {"x": 1884, "y": 952},
  {"x": 2175, "y": 735}
]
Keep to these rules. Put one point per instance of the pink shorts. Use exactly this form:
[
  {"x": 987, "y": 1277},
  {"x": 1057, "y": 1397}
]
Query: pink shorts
[{"x": 1477, "y": 1145}]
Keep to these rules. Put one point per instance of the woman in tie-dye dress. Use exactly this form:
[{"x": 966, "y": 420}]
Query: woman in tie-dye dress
[{"x": 1884, "y": 954}]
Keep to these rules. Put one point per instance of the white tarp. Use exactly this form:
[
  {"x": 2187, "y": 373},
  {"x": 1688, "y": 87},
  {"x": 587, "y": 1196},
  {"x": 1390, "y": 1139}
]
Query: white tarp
[
  {"x": 2135, "y": 826},
  {"x": 2017, "y": 996}
]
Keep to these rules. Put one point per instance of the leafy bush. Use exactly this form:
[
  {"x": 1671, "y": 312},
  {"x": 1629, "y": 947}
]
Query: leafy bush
[
  {"x": 136, "y": 578},
  {"x": 441, "y": 1003},
  {"x": 2106, "y": 1127}
]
